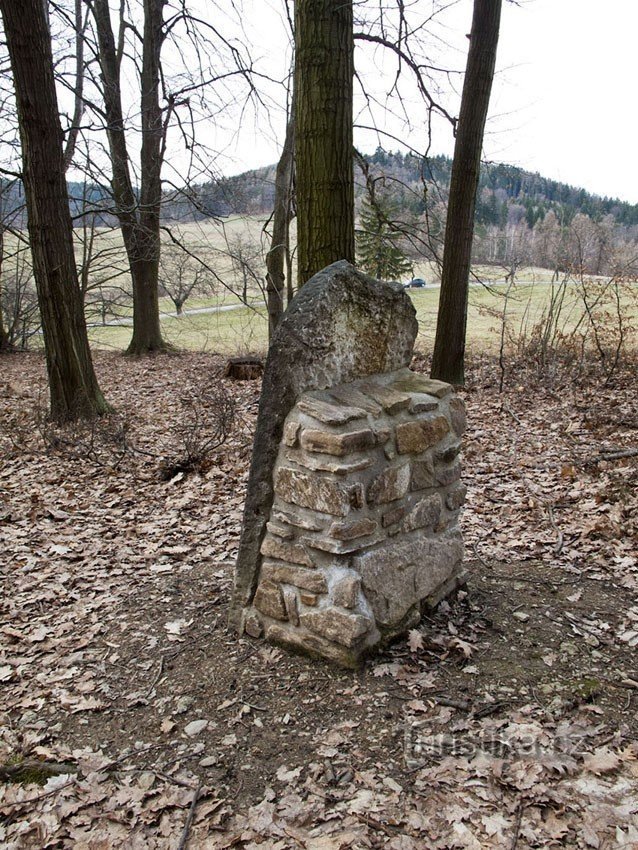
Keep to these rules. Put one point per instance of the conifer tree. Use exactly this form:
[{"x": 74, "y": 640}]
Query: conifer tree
[{"x": 379, "y": 240}]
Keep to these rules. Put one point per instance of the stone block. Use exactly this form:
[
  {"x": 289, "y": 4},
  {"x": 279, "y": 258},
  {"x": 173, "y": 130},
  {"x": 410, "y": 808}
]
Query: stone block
[
  {"x": 393, "y": 516},
  {"x": 283, "y": 550},
  {"x": 447, "y": 475},
  {"x": 422, "y": 474},
  {"x": 413, "y": 382},
  {"x": 391, "y": 401},
  {"x": 416, "y": 437},
  {"x": 290, "y": 604},
  {"x": 423, "y": 403},
  {"x": 325, "y": 463},
  {"x": 336, "y": 625},
  {"x": 398, "y": 573},
  {"x": 353, "y": 529},
  {"x": 313, "y": 491},
  {"x": 393, "y": 483},
  {"x": 350, "y": 395},
  {"x": 456, "y": 497},
  {"x": 269, "y": 600},
  {"x": 345, "y": 593},
  {"x": 309, "y": 599},
  {"x": 253, "y": 626},
  {"x": 425, "y": 514},
  {"x": 446, "y": 454},
  {"x": 335, "y": 547},
  {"x": 279, "y": 530},
  {"x": 310, "y": 580},
  {"x": 330, "y": 443},
  {"x": 328, "y": 414},
  {"x": 307, "y": 521},
  {"x": 291, "y": 433},
  {"x": 307, "y": 643},
  {"x": 458, "y": 416}
]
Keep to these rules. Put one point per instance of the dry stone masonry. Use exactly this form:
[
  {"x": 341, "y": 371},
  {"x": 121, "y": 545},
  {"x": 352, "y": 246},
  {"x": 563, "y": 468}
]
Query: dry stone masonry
[{"x": 351, "y": 525}]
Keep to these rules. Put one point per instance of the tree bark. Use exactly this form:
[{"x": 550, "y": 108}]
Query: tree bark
[
  {"x": 140, "y": 223},
  {"x": 324, "y": 72},
  {"x": 73, "y": 386},
  {"x": 449, "y": 344},
  {"x": 282, "y": 214}
]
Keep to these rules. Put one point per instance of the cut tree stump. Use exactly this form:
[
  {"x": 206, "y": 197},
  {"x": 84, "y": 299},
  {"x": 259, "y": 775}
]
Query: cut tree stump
[{"x": 244, "y": 368}]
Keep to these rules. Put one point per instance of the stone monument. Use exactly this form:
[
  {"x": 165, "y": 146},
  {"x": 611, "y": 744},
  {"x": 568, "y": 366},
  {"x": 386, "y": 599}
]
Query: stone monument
[{"x": 351, "y": 518}]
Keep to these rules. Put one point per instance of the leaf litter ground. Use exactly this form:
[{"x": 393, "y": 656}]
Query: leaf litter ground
[{"x": 131, "y": 717}]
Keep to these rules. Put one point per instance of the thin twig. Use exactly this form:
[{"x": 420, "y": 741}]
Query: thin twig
[
  {"x": 189, "y": 820},
  {"x": 517, "y": 826}
]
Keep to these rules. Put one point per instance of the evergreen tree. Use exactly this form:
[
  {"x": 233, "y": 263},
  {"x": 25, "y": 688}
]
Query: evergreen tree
[{"x": 379, "y": 240}]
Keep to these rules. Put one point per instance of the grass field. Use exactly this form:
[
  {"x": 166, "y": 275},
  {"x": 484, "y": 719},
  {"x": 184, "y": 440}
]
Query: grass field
[{"x": 234, "y": 244}]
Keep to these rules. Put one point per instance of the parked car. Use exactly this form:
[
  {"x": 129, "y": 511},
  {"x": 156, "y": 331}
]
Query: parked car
[{"x": 415, "y": 283}]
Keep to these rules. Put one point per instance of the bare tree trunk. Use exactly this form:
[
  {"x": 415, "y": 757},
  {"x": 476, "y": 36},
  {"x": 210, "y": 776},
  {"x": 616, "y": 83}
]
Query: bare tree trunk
[
  {"x": 4, "y": 334},
  {"x": 139, "y": 223},
  {"x": 449, "y": 345},
  {"x": 282, "y": 214},
  {"x": 72, "y": 383},
  {"x": 323, "y": 134}
]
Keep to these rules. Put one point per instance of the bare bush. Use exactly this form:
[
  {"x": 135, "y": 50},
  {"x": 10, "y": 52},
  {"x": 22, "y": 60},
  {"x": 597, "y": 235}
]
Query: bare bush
[{"x": 208, "y": 418}]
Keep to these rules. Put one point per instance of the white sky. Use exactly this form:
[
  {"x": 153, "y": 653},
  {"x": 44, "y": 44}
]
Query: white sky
[{"x": 561, "y": 102}]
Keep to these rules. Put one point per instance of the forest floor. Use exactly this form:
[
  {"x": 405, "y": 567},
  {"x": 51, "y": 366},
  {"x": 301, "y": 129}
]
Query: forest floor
[{"x": 130, "y": 717}]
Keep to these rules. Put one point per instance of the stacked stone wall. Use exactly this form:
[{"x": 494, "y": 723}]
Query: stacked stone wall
[{"x": 363, "y": 530}]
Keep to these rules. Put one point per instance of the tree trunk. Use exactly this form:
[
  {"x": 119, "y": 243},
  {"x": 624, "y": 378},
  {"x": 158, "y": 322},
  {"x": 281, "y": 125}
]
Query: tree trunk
[
  {"x": 449, "y": 345},
  {"x": 282, "y": 213},
  {"x": 139, "y": 222},
  {"x": 323, "y": 134},
  {"x": 72, "y": 383},
  {"x": 4, "y": 334}
]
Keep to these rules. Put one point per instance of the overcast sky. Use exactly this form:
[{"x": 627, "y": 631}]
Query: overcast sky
[{"x": 561, "y": 103}]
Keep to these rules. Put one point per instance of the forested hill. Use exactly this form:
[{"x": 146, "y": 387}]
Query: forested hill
[
  {"x": 501, "y": 187},
  {"x": 506, "y": 193}
]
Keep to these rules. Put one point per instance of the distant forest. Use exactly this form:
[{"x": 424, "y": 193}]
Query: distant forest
[{"x": 521, "y": 217}]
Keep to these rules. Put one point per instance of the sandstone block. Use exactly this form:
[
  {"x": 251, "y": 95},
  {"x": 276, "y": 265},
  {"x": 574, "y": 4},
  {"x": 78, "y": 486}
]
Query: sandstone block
[
  {"x": 312, "y": 491},
  {"x": 416, "y": 437},
  {"x": 458, "y": 416},
  {"x": 329, "y": 414},
  {"x": 311, "y": 644},
  {"x": 330, "y": 443},
  {"x": 352, "y": 530},
  {"x": 269, "y": 600},
  {"x": 335, "y": 547},
  {"x": 309, "y": 599},
  {"x": 308, "y": 522},
  {"x": 325, "y": 463},
  {"x": 390, "y": 400},
  {"x": 456, "y": 497},
  {"x": 346, "y": 592},
  {"x": 423, "y": 403},
  {"x": 336, "y": 625},
  {"x": 398, "y": 573},
  {"x": 391, "y": 484},
  {"x": 349, "y": 395},
  {"x": 425, "y": 514},
  {"x": 413, "y": 382},
  {"x": 290, "y": 604},
  {"x": 310, "y": 580},
  {"x": 283, "y": 531},
  {"x": 283, "y": 550},
  {"x": 291, "y": 433}
]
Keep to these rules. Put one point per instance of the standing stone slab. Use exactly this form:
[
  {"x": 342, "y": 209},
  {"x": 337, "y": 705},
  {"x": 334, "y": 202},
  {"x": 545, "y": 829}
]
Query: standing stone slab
[{"x": 342, "y": 325}]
